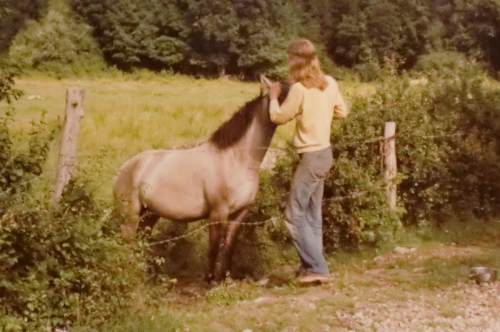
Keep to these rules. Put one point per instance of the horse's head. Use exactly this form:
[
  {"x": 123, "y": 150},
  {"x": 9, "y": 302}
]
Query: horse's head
[
  {"x": 265, "y": 85},
  {"x": 258, "y": 109}
]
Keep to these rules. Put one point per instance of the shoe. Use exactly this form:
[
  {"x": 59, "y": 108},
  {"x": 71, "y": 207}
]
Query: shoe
[
  {"x": 313, "y": 279},
  {"x": 301, "y": 271}
]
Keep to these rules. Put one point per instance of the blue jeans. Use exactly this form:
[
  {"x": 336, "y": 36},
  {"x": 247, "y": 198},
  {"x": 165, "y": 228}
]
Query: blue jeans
[{"x": 303, "y": 212}]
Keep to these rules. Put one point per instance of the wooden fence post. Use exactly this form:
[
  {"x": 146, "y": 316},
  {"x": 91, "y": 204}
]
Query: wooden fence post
[
  {"x": 67, "y": 152},
  {"x": 391, "y": 168}
]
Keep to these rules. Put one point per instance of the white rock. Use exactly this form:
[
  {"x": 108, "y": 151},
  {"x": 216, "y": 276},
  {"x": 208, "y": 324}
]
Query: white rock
[
  {"x": 262, "y": 299},
  {"x": 401, "y": 250},
  {"x": 263, "y": 282}
]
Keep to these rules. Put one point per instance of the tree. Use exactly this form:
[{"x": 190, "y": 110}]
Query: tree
[
  {"x": 131, "y": 34},
  {"x": 349, "y": 45},
  {"x": 214, "y": 34},
  {"x": 13, "y": 14},
  {"x": 474, "y": 29},
  {"x": 371, "y": 31},
  {"x": 420, "y": 30},
  {"x": 265, "y": 29}
]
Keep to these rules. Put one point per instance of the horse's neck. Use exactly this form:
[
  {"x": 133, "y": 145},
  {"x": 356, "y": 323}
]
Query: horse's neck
[{"x": 252, "y": 148}]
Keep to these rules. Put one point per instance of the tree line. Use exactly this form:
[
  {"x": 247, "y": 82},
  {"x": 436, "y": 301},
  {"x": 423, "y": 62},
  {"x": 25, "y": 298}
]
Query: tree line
[{"x": 248, "y": 37}]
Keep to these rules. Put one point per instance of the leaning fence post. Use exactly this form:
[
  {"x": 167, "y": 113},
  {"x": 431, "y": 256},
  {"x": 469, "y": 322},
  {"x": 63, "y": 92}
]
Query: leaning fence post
[
  {"x": 67, "y": 152},
  {"x": 391, "y": 168}
]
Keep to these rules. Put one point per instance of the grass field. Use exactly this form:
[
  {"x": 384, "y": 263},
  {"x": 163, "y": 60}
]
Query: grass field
[{"x": 128, "y": 114}]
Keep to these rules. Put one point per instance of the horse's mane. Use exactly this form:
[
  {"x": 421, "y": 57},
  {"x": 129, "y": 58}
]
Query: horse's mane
[{"x": 235, "y": 128}]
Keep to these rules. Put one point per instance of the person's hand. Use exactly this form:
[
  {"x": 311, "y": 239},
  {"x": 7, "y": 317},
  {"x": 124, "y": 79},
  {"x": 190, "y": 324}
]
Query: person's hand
[{"x": 274, "y": 90}]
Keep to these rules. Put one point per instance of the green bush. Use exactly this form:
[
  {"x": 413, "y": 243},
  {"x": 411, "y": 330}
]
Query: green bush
[
  {"x": 447, "y": 145},
  {"x": 18, "y": 169},
  {"x": 7, "y": 90},
  {"x": 474, "y": 142},
  {"x": 355, "y": 212},
  {"x": 443, "y": 64},
  {"x": 61, "y": 266},
  {"x": 64, "y": 267},
  {"x": 368, "y": 72}
]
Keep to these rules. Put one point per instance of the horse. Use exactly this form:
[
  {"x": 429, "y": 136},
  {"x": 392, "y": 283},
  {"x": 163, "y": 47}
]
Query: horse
[{"x": 215, "y": 180}]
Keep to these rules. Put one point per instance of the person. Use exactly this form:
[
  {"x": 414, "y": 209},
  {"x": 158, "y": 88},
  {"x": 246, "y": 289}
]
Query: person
[{"x": 314, "y": 100}]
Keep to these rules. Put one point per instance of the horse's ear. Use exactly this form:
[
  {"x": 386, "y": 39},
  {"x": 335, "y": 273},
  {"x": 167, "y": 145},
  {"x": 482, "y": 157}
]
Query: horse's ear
[{"x": 265, "y": 84}]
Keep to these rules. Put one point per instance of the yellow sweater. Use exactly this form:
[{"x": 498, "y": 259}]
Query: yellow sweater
[{"x": 314, "y": 110}]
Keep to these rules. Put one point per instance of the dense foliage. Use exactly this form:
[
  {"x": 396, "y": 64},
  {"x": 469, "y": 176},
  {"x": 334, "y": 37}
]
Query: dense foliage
[
  {"x": 194, "y": 37},
  {"x": 248, "y": 37},
  {"x": 62, "y": 267}
]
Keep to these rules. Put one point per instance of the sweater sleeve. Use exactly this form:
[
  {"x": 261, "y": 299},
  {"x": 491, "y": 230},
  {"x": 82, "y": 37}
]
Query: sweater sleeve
[
  {"x": 290, "y": 107},
  {"x": 340, "y": 110}
]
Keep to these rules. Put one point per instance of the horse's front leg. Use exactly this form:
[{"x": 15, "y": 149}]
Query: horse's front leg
[
  {"x": 215, "y": 231},
  {"x": 228, "y": 247}
]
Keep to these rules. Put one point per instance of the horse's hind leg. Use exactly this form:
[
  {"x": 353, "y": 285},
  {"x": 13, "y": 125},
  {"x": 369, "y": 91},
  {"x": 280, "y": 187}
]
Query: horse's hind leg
[
  {"x": 130, "y": 210},
  {"x": 228, "y": 248},
  {"x": 215, "y": 232}
]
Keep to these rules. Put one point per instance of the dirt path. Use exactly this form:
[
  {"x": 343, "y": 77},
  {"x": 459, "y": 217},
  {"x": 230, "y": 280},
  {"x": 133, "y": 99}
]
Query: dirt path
[{"x": 424, "y": 289}]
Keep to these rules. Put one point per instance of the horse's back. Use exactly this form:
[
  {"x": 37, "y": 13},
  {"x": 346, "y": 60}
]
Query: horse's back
[
  {"x": 186, "y": 184},
  {"x": 131, "y": 171},
  {"x": 168, "y": 182}
]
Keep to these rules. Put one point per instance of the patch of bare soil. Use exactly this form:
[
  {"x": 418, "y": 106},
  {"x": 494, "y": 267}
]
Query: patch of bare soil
[{"x": 421, "y": 289}]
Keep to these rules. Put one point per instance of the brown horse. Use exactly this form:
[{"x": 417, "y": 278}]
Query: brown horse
[{"x": 217, "y": 179}]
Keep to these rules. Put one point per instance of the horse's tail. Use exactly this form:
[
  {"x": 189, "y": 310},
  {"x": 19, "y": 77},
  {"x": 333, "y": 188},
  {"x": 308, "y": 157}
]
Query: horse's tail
[
  {"x": 127, "y": 202},
  {"x": 123, "y": 177}
]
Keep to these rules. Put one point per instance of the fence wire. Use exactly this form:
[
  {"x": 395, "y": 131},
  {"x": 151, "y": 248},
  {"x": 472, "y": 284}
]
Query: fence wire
[
  {"x": 273, "y": 220},
  {"x": 187, "y": 149}
]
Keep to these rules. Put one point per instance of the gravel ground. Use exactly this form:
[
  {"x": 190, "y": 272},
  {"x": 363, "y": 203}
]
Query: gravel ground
[
  {"x": 462, "y": 307},
  {"x": 392, "y": 294}
]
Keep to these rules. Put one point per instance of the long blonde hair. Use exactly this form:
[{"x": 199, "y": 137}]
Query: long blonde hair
[{"x": 304, "y": 65}]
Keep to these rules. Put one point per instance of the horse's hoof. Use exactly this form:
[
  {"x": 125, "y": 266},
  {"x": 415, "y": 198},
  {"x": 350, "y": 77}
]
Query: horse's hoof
[{"x": 127, "y": 233}]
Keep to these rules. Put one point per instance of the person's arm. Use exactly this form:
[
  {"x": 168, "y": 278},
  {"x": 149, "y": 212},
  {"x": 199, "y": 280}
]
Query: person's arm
[
  {"x": 339, "y": 110},
  {"x": 290, "y": 107}
]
